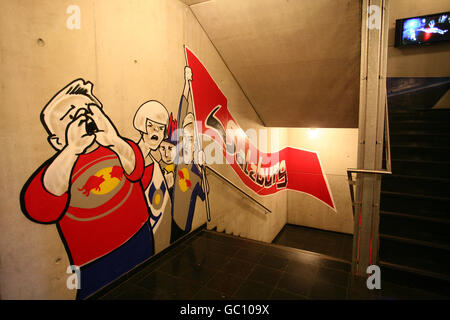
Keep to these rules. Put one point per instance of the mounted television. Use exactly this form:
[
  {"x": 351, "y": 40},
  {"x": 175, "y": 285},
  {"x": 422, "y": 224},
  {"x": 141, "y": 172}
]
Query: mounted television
[{"x": 422, "y": 30}]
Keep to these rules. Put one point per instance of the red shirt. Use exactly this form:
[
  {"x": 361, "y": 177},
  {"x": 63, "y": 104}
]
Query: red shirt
[{"x": 103, "y": 208}]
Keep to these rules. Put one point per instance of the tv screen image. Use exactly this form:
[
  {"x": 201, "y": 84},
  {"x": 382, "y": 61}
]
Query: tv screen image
[{"x": 424, "y": 29}]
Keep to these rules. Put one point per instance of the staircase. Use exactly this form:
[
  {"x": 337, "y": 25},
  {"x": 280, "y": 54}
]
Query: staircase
[{"x": 415, "y": 201}]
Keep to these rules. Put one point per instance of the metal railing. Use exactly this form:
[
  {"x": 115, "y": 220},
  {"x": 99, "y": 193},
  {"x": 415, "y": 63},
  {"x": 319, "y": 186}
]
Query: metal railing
[
  {"x": 388, "y": 169},
  {"x": 239, "y": 189}
]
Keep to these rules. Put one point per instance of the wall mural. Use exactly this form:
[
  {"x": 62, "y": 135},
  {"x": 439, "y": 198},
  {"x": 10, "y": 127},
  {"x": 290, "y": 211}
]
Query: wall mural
[
  {"x": 116, "y": 202},
  {"x": 264, "y": 173},
  {"x": 91, "y": 189}
]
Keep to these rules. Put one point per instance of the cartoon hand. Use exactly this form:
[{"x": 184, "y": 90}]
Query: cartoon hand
[
  {"x": 187, "y": 74},
  {"x": 76, "y": 137},
  {"x": 106, "y": 135}
]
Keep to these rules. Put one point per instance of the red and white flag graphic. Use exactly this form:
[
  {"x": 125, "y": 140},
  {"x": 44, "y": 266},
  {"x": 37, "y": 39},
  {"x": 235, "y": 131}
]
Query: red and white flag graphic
[{"x": 265, "y": 173}]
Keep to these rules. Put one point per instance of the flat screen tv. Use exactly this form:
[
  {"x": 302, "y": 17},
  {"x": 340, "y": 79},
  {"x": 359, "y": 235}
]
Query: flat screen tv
[{"x": 422, "y": 30}]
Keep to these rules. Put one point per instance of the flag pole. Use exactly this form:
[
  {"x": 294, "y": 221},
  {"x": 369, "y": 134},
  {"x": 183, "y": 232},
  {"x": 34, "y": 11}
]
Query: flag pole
[{"x": 205, "y": 185}]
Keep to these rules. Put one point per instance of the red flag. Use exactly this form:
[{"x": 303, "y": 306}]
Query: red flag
[{"x": 265, "y": 173}]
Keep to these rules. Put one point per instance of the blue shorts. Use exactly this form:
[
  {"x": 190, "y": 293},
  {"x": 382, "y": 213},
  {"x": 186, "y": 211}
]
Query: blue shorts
[{"x": 101, "y": 272}]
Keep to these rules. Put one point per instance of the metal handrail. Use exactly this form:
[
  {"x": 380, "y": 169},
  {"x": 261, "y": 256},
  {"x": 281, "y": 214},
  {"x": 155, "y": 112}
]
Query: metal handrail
[
  {"x": 388, "y": 169},
  {"x": 239, "y": 189}
]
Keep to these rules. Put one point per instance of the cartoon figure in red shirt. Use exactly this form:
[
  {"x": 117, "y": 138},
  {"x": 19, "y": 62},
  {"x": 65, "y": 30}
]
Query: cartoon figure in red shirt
[{"x": 91, "y": 189}]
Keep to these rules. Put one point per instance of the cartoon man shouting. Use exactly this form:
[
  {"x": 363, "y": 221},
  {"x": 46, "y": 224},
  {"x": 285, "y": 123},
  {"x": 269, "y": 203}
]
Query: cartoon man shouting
[
  {"x": 152, "y": 120},
  {"x": 91, "y": 189}
]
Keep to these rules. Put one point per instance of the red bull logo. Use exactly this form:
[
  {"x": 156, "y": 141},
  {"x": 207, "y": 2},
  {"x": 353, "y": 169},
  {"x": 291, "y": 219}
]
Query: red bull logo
[
  {"x": 116, "y": 172},
  {"x": 93, "y": 183},
  {"x": 103, "y": 181}
]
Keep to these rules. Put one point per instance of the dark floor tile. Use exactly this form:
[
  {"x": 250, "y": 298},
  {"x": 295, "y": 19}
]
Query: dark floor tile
[
  {"x": 209, "y": 294},
  {"x": 157, "y": 281},
  {"x": 275, "y": 262},
  {"x": 170, "y": 287},
  {"x": 204, "y": 258},
  {"x": 250, "y": 255},
  {"x": 331, "y": 249},
  {"x": 130, "y": 291},
  {"x": 177, "y": 267},
  {"x": 199, "y": 274},
  {"x": 210, "y": 245},
  {"x": 295, "y": 283},
  {"x": 324, "y": 242},
  {"x": 324, "y": 290},
  {"x": 193, "y": 256},
  {"x": 332, "y": 276},
  {"x": 225, "y": 283},
  {"x": 346, "y": 255},
  {"x": 265, "y": 275},
  {"x": 306, "y": 258},
  {"x": 278, "y": 294},
  {"x": 221, "y": 237},
  {"x": 279, "y": 251},
  {"x": 253, "y": 245},
  {"x": 218, "y": 236},
  {"x": 251, "y": 290},
  {"x": 110, "y": 294},
  {"x": 215, "y": 261},
  {"x": 301, "y": 268},
  {"x": 148, "y": 268},
  {"x": 313, "y": 246},
  {"x": 238, "y": 267},
  {"x": 334, "y": 264}
]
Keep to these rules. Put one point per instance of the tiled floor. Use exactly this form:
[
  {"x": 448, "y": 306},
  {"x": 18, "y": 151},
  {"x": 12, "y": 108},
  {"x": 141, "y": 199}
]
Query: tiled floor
[
  {"x": 215, "y": 266},
  {"x": 334, "y": 244}
]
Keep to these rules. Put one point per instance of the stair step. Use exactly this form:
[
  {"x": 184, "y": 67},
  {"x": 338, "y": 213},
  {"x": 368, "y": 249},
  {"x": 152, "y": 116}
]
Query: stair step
[
  {"x": 428, "y": 126},
  {"x": 414, "y": 227},
  {"x": 419, "y": 114},
  {"x": 415, "y": 278},
  {"x": 409, "y": 167},
  {"x": 420, "y": 205},
  {"x": 415, "y": 254},
  {"x": 416, "y": 185},
  {"x": 420, "y": 153},
  {"x": 420, "y": 139}
]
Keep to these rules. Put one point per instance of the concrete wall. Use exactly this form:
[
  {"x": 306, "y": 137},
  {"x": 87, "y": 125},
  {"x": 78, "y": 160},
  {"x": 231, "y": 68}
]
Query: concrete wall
[
  {"x": 424, "y": 61},
  {"x": 337, "y": 149},
  {"x": 245, "y": 218},
  {"x": 132, "y": 51}
]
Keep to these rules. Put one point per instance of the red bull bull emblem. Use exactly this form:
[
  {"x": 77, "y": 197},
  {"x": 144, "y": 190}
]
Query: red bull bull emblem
[{"x": 103, "y": 181}]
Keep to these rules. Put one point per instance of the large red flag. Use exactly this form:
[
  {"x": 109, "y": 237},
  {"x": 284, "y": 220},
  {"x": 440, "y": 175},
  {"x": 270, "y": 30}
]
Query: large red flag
[{"x": 265, "y": 173}]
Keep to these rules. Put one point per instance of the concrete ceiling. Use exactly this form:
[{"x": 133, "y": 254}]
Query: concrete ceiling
[{"x": 297, "y": 61}]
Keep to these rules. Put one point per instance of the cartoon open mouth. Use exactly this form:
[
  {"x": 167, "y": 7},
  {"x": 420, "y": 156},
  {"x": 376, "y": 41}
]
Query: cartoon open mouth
[{"x": 154, "y": 137}]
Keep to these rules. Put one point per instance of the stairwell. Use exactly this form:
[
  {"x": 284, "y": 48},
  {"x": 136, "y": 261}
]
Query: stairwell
[{"x": 415, "y": 201}]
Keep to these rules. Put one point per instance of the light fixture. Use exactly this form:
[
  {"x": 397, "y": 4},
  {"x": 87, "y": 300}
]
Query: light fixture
[{"x": 313, "y": 133}]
